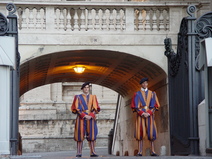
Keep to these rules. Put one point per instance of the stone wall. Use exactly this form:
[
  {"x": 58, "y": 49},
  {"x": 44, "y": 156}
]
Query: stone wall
[{"x": 45, "y": 120}]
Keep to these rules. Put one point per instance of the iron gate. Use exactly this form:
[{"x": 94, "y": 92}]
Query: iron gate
[
  {"x": 179, "y": 92},
  {"x": 186, "y": 83}
]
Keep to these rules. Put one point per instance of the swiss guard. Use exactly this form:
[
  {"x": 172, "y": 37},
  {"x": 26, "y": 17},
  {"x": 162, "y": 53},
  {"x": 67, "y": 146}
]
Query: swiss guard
[
  {"x": 86, "y": 107},
  {"x": 145, "y": 103}
]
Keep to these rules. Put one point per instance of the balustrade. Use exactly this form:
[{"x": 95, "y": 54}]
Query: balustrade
[
  {"x": 85, "y": 19},
  {"x": 31, "y": 18},
  {"x": 88, "y": 18},
  {"x": 151, "y": 19}
]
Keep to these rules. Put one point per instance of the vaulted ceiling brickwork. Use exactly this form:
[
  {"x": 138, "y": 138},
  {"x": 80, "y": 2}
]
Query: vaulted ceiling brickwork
[{"x": 115, "y": 70}]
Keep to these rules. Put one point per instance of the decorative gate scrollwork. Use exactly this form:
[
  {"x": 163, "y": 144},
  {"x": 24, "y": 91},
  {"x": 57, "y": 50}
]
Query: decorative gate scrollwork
[
  {"x": 175, "y": 58},
  {"x": 203, "y": 30},
  {"x": 3, "y": 25},
  {"x": 204, "y": 26}
]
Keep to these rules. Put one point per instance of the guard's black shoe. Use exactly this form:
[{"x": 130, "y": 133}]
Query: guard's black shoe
[
  {"x": 79, "y": 155},
  {"x": 153, "y": 154},
  {"x": 94, "y": 155},
  {"x": 139, "y": 154}
]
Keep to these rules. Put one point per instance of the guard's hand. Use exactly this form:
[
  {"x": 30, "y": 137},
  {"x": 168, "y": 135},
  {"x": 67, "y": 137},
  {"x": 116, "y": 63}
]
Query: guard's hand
[
  {"x": 146, "y": 115},
  {"x": 87, "y": 117}
]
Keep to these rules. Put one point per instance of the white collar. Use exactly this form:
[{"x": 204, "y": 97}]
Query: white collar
[
  {"x": 144, "y": 89},
  {"x": 85, "y": 94}
]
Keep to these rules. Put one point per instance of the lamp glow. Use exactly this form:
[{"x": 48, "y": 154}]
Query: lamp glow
[{"x": 79, "y": 69}]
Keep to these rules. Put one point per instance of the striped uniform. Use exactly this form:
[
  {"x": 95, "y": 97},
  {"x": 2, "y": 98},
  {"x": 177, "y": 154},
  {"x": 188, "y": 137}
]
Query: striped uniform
[
  {"x": 145, "y": 102},
  {"x": 85, "y": 105}
]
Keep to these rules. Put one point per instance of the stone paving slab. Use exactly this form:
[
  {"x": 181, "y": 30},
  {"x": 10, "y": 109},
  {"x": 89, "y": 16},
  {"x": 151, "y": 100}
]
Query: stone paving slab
[{"x": 103, "y": 152}]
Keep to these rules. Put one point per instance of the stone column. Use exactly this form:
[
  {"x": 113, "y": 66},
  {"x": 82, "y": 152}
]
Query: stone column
[
  {"x": 50, "y": 18},
  {"x": 7, "y": 61},
  {"x": 129, "y": 19},
  {"x": 5, "y": 110},
  {"x": 56, "y": 92}
]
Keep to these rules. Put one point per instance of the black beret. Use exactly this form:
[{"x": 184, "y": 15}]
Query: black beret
[
  {"x": 85, "y": 84},
  {"x": 143, "y": 80}
]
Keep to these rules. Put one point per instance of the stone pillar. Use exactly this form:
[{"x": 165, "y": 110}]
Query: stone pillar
[
  {"x": 176, "y": 14},
  {"x": 129, "y": 19},
  {"x": 56, "y": 92},
  {"x": 50, "y": 18},
  {"x": 7, "y": 60},
  {"x": 5, "y": 110}
]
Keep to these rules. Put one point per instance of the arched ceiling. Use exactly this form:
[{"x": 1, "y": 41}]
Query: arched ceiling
[{"x": 118, "y": 71}]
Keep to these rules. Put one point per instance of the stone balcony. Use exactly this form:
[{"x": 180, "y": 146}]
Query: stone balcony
[
  {"x": 89, "y": 17},
  {"x": 75, "y": 16}
]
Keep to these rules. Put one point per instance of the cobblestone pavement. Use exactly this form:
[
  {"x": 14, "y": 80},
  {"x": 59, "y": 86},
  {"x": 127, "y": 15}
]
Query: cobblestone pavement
[{"x": 103, "y": 153}]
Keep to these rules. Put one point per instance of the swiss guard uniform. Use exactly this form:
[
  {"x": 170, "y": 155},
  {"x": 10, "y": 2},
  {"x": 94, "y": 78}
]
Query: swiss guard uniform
[
  {"x": 85, "y": 105},
  {"x": 145, "y": 101}
]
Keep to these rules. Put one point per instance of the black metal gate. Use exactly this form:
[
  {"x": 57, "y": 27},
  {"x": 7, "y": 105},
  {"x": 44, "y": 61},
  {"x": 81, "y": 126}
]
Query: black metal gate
[
  {"x": 186, "y": 87},
  {"x": 179, "y": 92}
]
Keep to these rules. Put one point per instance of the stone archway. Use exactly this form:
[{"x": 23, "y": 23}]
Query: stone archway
[
  {"x": 118, "y": 71},
  {"x": 115, "y": 70}
]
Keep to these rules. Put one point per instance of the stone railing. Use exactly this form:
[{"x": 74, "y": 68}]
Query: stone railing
[
  {"x": 79, "y": 17},
  {"x": 89, "y": 19},
  {"x": 30, "y": 18},
  {"x": 151, "y": 18}
]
